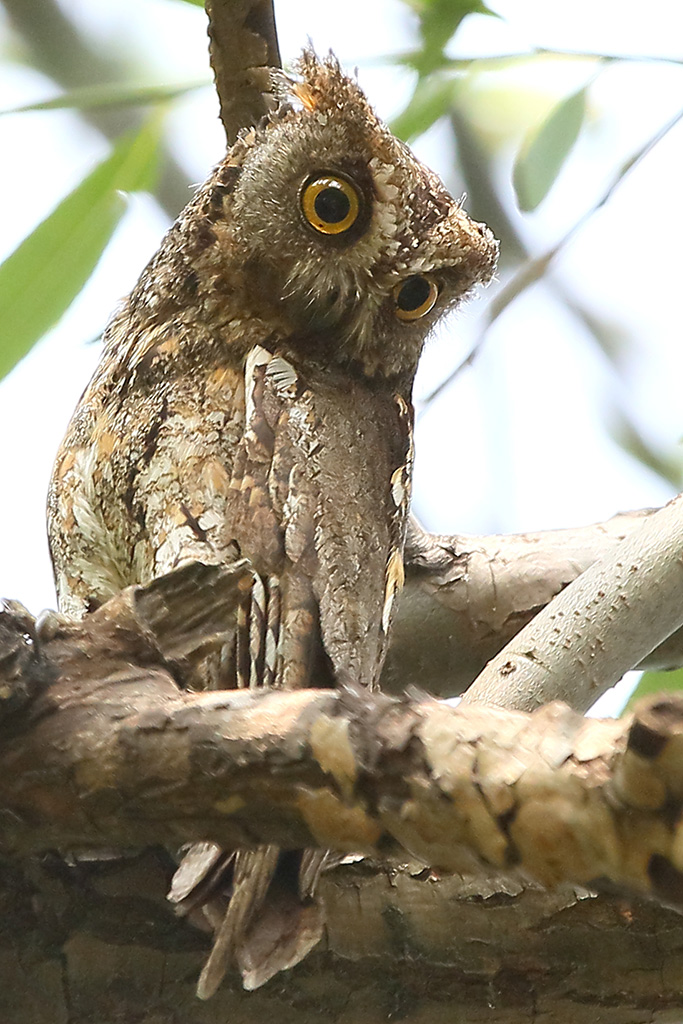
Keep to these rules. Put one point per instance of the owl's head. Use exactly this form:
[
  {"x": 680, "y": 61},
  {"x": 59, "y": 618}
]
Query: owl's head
[{"x": 338, "y": 231}]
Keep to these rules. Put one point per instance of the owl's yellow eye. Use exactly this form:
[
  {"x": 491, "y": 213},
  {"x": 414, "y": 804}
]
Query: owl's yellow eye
[
  {"x": 415, "y": 297},
  {"x": 330, "y": 205}
]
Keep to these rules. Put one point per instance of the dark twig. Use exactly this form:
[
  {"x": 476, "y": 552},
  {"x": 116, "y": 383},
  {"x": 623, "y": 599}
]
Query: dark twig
[{"x": 243, "y": 48}]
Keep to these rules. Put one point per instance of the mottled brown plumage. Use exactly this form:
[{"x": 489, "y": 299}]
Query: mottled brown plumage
[{"x": 254, "y": 400}]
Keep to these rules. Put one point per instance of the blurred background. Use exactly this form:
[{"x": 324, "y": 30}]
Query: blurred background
[{"x": 560, "y": 123}]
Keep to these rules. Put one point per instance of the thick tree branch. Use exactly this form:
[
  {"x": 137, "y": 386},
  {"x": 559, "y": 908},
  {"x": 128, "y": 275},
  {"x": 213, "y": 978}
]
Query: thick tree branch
[
  {"x": 94, "y": 941},
  {"x": 112, "y": 752}
]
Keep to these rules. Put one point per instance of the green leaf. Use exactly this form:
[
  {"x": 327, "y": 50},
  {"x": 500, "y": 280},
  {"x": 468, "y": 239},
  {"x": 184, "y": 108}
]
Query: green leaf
[
  {"x": 655, "y": 682},
  {"x": 431, "y": 99},
  {"x": 544, "y": 151},
  {"x": 42, "y": 277},
  {"x": 439, "y": 21},
  {"x": 665, "y": 462},
  {"x": 112, "y": 94}
]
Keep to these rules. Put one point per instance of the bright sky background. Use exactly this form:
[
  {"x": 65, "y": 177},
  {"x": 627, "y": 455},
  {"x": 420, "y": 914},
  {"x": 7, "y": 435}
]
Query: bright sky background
[{"x": 521, "y": 441}]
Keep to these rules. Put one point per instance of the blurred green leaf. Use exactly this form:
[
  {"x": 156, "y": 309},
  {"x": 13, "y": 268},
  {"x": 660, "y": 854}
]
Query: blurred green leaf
[
  {"x": 439, "y": 21},
  {"x": 195, "y": 3},
  {"x": 667, "y": 464},
  {"x": 42, "y": 277},
  {"x": 113, "y": 94},
  {"x": 613, "y": 337},
  {"x": 655, "y": 682},
  {"x": 431, "y": 99},
  {"x": 545, "y": 150}
]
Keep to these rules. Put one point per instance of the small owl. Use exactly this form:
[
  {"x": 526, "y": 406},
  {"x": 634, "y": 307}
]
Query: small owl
[{"x": 254, "y": 401}]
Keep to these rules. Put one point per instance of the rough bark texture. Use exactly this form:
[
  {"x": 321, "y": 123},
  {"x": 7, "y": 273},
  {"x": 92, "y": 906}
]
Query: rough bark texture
[
  {"x": 94, "y": 942},
  {"x": 100, "y": 746}
]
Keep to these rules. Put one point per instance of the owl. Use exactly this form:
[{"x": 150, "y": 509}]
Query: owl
[{"x": 254, "y": 401}]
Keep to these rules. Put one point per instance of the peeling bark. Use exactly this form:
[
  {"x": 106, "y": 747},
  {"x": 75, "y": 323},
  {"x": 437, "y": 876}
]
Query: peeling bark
[{"x": 108, "y": 750}]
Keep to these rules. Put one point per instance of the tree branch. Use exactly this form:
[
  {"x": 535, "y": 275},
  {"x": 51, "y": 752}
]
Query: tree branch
[
  {"x": 602, "y": 625},
  {"x": 243, "y": 48},
  {"x": 94, "y": 941},
  {"x": 111, "y": 752},
  {"x": 467, "y": 596}
]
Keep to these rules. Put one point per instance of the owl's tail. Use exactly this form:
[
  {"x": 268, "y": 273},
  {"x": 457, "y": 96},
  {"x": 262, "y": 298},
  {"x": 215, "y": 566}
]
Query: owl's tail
[
  {"x": 271, "y": 921},
  {"x": 254, "y": 870},
  {"x": 268, "y": 926}
]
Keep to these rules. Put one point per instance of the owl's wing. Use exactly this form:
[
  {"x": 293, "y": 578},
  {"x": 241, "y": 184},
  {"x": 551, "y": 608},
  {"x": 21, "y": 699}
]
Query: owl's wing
[
  {"x": 319, "y": 496},
  {"x": 271, "y": 516},
  {"x": 364, "y": 466},
  {"x": 276, "y": 640}
]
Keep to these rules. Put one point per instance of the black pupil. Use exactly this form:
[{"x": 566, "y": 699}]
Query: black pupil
[
  {"x": 331, "y": 205},
  {"x": 413, "y": 294}
]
